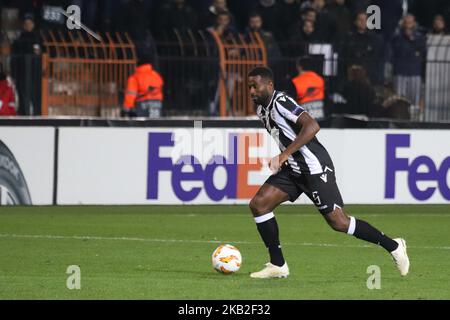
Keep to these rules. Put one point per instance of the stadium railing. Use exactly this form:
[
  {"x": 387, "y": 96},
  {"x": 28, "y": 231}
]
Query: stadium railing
[
  {"x": 205, "y": 74},
  {"x": 189, "y": 64},
  {"x": 238, "y": 55},
  {"x": 82, "y": 76}
]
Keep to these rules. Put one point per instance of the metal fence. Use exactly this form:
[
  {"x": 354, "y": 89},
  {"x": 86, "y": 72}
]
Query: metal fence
[
  {"x": 77, "y": 76},
  {"x": 359, "y": 80},
  {"x": 365, "y": 84},
  {"x": 189, "y": 64},
  {"x": 205, "y": 72},
  {"x": 84, "y": 77}
]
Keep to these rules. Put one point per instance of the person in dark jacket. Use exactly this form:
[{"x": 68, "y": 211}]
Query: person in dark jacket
[
  {"x": 342, "y": 17},
  {"x": 255, "y": 24},
  {"x": 26, "y": 68},
  {"x": 364, "y": 47},
  {"x": 29, "y": 41},
  {"x": 300, "y": 41},
  {"x": 408, "y": 55},
  {"x": 209, "y": 17},
  {"x": 326, "y": 26}
]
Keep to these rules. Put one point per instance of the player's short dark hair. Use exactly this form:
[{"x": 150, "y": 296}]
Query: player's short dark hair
[{"x": 264, "y": 72}]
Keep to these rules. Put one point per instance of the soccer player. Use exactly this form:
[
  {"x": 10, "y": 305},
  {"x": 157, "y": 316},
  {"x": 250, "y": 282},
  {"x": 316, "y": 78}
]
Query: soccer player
[{"x": 303, "y": 166}]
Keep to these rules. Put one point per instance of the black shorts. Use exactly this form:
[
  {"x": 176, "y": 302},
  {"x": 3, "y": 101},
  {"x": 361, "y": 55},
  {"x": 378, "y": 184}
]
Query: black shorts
[{"x": 320, "y": 188}]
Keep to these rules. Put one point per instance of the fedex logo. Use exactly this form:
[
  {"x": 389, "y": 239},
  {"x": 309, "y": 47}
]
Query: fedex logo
[
  {"x": 237, "y": 164},
  {"x": 433, "y": 171}
]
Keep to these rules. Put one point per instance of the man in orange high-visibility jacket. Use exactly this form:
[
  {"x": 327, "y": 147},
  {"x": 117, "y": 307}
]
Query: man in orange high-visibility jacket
[
  {"x": 144, "y": 92},
  {"x": 310, "y": 89}
]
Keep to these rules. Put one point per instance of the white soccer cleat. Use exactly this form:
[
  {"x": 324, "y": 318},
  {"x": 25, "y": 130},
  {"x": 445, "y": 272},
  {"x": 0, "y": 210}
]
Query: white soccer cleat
[
  {"x": 272, "y": 271},
  {"x": 401, "y": 257}
]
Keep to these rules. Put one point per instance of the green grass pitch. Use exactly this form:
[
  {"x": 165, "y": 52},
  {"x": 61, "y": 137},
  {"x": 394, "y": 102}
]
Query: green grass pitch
[{"x": 164, "y": 252}]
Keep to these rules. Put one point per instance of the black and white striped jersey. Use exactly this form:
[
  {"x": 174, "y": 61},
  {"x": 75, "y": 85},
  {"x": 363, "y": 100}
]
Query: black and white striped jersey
[{"x": 279, "y": 118}]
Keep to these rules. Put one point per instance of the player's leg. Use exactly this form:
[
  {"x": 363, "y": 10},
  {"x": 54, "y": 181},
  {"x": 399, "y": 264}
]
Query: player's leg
[
  {"x": 262, "y": 205},
  {"x": 339, "y": 221},
  {"x": 277, "y": 189},
  {"x": 324, "y": 192}
]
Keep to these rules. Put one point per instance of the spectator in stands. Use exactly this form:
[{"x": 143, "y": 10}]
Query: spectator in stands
[
  {"x": 290, "y": 10},
  {"x": 5, "y": 53},
  {"x": 391, "y": 13},
  {"x": 310, "y": 88},
  {"x": 438, "y": 27},
  {"x": 223, "y": 27},
  {"x": 306, "y": 14},
  {"x": 358, "y": 93},
  {"x": 271, "y": 14},
  {"x": 342, "y": 17},
  {"x": 228, "y": 34},
  {"x": 300, "y": 41},
  {"x": 255, "y": 24},
  {"x": 26, "y": 68},
  {"x": 364, "y": 47},
  {"x": 29, "y": 41},
  {"x": 209, "y": 18},
  {"x": 7, "y": 95},
  {"x": 426, "y": 10},
  {"x": 144, "y": 93},
  {"x": 325, "y": 25},
  {"x": 177, "y": 15},
  {"x": 409, "y": 53}
]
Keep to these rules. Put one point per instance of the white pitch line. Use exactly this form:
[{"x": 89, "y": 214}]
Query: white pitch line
[{"x": 304, "y": 244}]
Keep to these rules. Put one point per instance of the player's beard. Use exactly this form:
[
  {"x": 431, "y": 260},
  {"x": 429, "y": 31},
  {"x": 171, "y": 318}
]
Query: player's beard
[{"x": 263, "y": 99}]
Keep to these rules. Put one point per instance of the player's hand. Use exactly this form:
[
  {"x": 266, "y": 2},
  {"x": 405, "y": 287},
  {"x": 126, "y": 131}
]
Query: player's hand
[{"x": 276, "y": 162}]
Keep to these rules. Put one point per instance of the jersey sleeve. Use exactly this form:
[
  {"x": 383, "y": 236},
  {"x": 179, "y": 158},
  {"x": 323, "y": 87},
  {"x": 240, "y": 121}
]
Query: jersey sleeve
[{"x": 288, "y": 108}]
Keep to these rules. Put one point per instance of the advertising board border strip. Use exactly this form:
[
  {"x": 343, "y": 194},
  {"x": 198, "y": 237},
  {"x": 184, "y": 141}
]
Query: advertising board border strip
[{"x": 335, "y": 122}]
